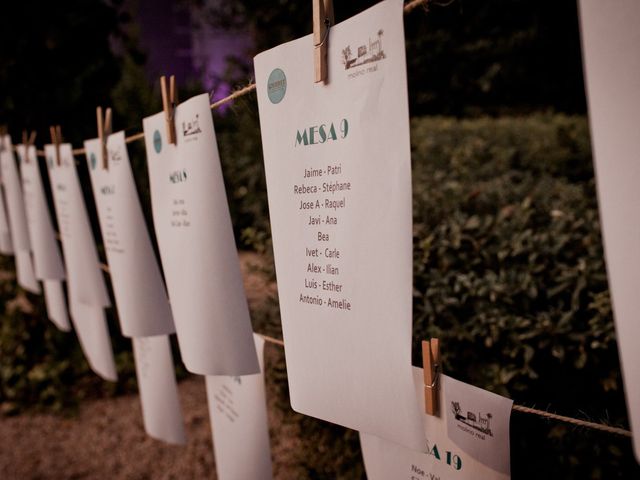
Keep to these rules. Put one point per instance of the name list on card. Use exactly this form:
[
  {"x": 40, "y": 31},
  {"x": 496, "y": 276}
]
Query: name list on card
[
  {"x": 141, "y": 299},
  {"x": 337, "y": 162},
  {"x": 323, "y": 197},
  {"x": 197, "y": 247},
  {"x": 238, "y": 412}
]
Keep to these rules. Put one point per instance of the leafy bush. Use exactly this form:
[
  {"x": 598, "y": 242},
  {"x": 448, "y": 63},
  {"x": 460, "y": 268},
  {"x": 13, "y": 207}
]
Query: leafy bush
[{"x": 510, "y": 275}]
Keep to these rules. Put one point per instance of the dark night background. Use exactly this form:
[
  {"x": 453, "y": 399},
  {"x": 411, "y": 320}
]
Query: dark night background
[{"x": 466, "y": 58}]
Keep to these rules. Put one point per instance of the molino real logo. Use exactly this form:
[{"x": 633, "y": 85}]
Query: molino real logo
[
  {"x": 276, "y": 86},
  {"x": 364, "y": 55},
  {"x": 479, "y": 423}
]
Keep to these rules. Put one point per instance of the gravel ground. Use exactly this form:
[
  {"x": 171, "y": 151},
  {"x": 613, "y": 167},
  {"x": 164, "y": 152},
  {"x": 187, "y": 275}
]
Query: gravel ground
[{"x": 106, "y": 440}]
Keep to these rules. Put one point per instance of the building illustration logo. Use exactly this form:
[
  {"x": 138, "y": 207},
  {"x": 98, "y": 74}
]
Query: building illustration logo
[
  {"x": 480, "y": 423},
  {"x": 92, "y": 160},
  {"x": 276, "y": 86},
  {"x": 192, "y": 127},
  {"x": 157, "y": 141},
  {"x": 115, "y": 155},
  {"x": 370, "y": 52}
]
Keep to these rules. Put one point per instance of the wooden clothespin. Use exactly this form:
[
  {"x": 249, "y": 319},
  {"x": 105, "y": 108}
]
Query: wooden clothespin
[
  {"x": 169, "y": 102},
  {"x": 104, "y": 130},
  {"x": 322, "y": 21},
  {"x": 3, "y": 131},
  {"x": 27, "y": 141},
  {"x": 431, "y": 367},
  {"x": 56, "y": 139}
]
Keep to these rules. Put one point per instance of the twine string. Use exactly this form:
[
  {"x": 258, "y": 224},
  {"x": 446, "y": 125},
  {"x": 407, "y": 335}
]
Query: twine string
[{"x": 532, "y": 411}]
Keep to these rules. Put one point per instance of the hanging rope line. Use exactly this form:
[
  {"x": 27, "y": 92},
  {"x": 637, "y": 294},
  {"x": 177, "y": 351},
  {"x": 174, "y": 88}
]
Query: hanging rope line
[
  {"x": 574, "y": 421},
  {"x": 532, "y": 411}
]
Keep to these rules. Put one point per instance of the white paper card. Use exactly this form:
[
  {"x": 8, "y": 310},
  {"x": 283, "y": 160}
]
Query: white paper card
[
  {"x": 87, "y": 291},
  {"x": 338, "y": 169},
  {"x": 47, "y": 259},
  {"x": 13, "y": 192},
  {"x": 91, "y": 326},
  {"x": 56, "y": 304},
  {"x": 85, "y": 278},
  {"x": 478, "y": 422},
  {"x": 5, "y": 235},
  {"x": 25, "y": 273},
  {"x": 141, "y": 298},
  {"x": 610, "y": 40},
  {"x": 197, "y": 248},
  {"x": 238, "y": 412},
  {"x": 444, "y": 459},
  {"x": 161, "y": 410},
  {"x": 17, "y": 218}
]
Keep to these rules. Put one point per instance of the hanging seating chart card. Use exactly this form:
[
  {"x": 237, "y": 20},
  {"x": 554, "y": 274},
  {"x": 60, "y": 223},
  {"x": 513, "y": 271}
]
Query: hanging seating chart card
[
  {"x": 6, "y": 248},
  {"x": 56, "y": 304},
  {"x": 197, "y": 248},
  {"x": 46, "y": 253},
  {"x": 338, "y": 168},
  {"x": 481, "y": 452},
  {"x": 17, "y": 218},
  {"x": 238, "y": 413},
  {"x": 610, "y": 40},
  {"x": 161, "y": 410},
  {"x": 140, "y": 295},
  {"x": 47, "y": 259},
  {"x": 87, "y": 291}
]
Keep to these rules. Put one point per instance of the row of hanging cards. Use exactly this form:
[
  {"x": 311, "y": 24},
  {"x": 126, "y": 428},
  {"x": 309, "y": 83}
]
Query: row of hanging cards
[
  {"x": 238, "y": 413},
  {"x": 19, "y": 233},
  {"x": 139, "y": 291},
  {"x": 610, "y": 39},
  {"x": 338, "y": 168},
  {"x": 47, "y": 259},
  {"x": 87, "y": 292},
  {"x": 141, "y": 300}
]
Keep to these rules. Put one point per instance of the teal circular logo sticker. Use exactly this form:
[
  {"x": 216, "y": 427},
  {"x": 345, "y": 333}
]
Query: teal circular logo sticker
[
  {"x": 92, "y": 160},
  {"x": 157, "y": 141},
  {"x": 276, "y": 86}
]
